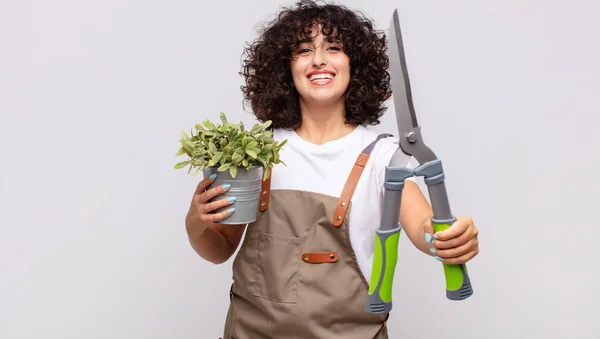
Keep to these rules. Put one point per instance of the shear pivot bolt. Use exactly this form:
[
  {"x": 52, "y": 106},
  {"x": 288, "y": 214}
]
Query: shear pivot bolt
[{"x": 412, "y": 137}]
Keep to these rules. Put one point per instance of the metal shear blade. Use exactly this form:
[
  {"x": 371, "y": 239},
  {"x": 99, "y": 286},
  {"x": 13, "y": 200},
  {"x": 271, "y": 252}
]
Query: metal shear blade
[{"x": 411, "y": 140}]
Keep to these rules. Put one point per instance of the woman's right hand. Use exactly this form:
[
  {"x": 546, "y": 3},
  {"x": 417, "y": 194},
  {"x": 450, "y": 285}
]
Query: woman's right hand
[{"x": 200, "y": 214}]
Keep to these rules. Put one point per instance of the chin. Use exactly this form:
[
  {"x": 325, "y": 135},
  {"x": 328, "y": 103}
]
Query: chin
[
  {"x": 323, "y": 95},
  {"x": 326, "y": 98}
]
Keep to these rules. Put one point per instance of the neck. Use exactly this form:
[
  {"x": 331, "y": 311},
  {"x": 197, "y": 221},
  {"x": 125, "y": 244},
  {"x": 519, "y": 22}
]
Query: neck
[{"x": 323, "y": 123}]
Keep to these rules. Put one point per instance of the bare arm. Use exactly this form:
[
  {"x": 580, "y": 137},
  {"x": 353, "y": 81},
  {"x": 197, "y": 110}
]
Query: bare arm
[
  {"x": 415, "y": 216},
  {"x": 217, "y": 242}
]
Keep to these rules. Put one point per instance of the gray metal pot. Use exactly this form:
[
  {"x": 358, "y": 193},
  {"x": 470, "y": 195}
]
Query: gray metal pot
[{"x": 246, "y": 187}]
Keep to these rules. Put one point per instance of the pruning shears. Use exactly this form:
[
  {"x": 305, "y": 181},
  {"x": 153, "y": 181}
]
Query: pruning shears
[{"x": 458, "y": 284}]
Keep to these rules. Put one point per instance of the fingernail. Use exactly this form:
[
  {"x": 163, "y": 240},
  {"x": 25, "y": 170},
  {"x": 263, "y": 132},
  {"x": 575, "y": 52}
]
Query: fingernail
[
  {"x": 440, "y": 259},
  {"x": 226, "y": 186},
  {"x": 231, "y": 210},
  {"x": 212, "y": 176},
  {"x": 435, "y": 236},
  {"x": 432, "y": 250},
  {"x": 427, "y": 237},
  {"x": 232, "y": 199}
]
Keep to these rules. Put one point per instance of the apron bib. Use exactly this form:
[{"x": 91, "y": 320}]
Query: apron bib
[{"x": 296, "y": 274}]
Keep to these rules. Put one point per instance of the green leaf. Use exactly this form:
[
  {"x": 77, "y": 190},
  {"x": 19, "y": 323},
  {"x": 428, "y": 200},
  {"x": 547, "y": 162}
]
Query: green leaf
[
  {"x": 252, "y": 145},
  {"x": 252, "y": 153},
  {"x": 233, "y": 171},
  {"x": 262, "y": 161},
  {"x": 236, "y": 158},
  {"x": 223, "y": 118},
  {"x": 217, "y": 157},
  {"x": 181, "y": 164},
  {"x": 208, "y": 124},
  {"x": 266, "y": 174},
  {"x": 247, "y": 140},
  {"x": 223, "y": 167},
  {"x": 181, "y": 151},
  {"x": 212, "y": 148},
  {"x": 198, "y": 171},
  {"x": 266, "y": 149}
]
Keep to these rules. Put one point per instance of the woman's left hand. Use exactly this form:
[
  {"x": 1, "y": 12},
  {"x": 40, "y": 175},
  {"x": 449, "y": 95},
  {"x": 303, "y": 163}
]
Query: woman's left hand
[{"x": 457, "y": 244}]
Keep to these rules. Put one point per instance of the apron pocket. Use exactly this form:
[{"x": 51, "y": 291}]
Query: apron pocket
[{"x": 277, "y": 267}]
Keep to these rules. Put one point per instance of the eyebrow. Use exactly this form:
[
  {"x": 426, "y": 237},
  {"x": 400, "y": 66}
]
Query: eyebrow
[{"x": 329, "y": 39}]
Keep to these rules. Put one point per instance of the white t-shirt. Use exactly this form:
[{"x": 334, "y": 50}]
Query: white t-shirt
[{"x": 325, "y": 168}]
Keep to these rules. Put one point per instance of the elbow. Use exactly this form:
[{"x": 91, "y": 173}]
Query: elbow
[{"x": 217, "y": 261}]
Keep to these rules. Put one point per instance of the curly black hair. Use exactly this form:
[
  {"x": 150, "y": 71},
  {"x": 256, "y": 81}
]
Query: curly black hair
[{"x": 266, "y": 67}]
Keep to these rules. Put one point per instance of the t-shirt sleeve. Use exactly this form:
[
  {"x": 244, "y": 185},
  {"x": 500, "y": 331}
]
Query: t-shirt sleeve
[{"x": 383, "y": 153}]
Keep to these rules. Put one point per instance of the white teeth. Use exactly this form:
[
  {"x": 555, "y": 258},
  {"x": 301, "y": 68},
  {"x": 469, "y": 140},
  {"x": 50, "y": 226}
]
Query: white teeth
[{"x": 320, "y": 76}]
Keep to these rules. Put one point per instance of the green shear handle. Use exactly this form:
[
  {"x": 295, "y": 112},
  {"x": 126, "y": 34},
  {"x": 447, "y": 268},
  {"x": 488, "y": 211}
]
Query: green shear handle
[{"x": 458, "y": 284}]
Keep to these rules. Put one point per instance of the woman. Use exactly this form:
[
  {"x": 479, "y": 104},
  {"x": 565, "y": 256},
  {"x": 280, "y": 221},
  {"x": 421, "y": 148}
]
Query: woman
[{"x": 320, "y": 74}]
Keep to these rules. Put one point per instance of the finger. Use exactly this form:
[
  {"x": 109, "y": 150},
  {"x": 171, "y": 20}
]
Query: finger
[
  {"x": 213, "y": 217},
  {"x": 204, "y": 183},
  {"x": 458, "y": 251},
  {"x": 460, "y": 240},
  {"x": 428, "y": 230},
  {"x": 218, "y": 204},
  {"x": 461, "y": 259},
  {"x": 213, "y": 192},
  {"x": 455, "y": 230}
]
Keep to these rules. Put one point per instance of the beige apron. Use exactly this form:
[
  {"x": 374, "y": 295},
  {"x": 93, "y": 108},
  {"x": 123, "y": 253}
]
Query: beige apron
[{"x": 296, "y": 274}]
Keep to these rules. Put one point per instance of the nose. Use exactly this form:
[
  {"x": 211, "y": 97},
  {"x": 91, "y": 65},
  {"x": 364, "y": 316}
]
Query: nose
[{"x": 319, "y": 57}]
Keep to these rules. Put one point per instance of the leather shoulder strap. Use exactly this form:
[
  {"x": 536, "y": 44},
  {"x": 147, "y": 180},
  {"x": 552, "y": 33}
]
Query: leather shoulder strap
[
  {"x": 350, "y": 186},
  {"x": 265, "y": 192}
]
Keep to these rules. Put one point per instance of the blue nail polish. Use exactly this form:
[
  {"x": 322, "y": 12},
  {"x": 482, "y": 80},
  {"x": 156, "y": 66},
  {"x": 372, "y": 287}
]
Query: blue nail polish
[
  {"x": 432, "y": 250},
  {"x": 232, "y": 199},
  {"x": 226, "y": 186},
  {"x": 435, "y": 236},
  {"x": 427, "y": 237},
  {"x": 440, "y": 259},
  {"x": 212, "y": 176},
  {"x": 231, "y": 210}
]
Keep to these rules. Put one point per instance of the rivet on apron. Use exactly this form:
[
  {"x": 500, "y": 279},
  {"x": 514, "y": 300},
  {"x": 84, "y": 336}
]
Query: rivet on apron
[
  {"x": 332, "y": 255},
  {"x": 264, "y": 192},
  {"x": 339, "y": 218},
  {"x": 343, "y": 204},
  {"x": 306, "y": 257},
  {"x": 262, "y": 203}
]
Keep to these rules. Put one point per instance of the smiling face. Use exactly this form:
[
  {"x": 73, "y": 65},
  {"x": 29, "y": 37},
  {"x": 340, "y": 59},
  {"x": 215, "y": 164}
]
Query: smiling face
[{"x": 320, "y": 69}]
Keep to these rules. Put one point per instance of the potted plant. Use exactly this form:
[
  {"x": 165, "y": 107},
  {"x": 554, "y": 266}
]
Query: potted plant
[{"x": 242, "y": 158}]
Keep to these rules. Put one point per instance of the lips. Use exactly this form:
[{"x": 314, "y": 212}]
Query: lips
[{"x": 320, "y": 78}]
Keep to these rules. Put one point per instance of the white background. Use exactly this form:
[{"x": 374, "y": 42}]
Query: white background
[{"x": 93, "y": 96}]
